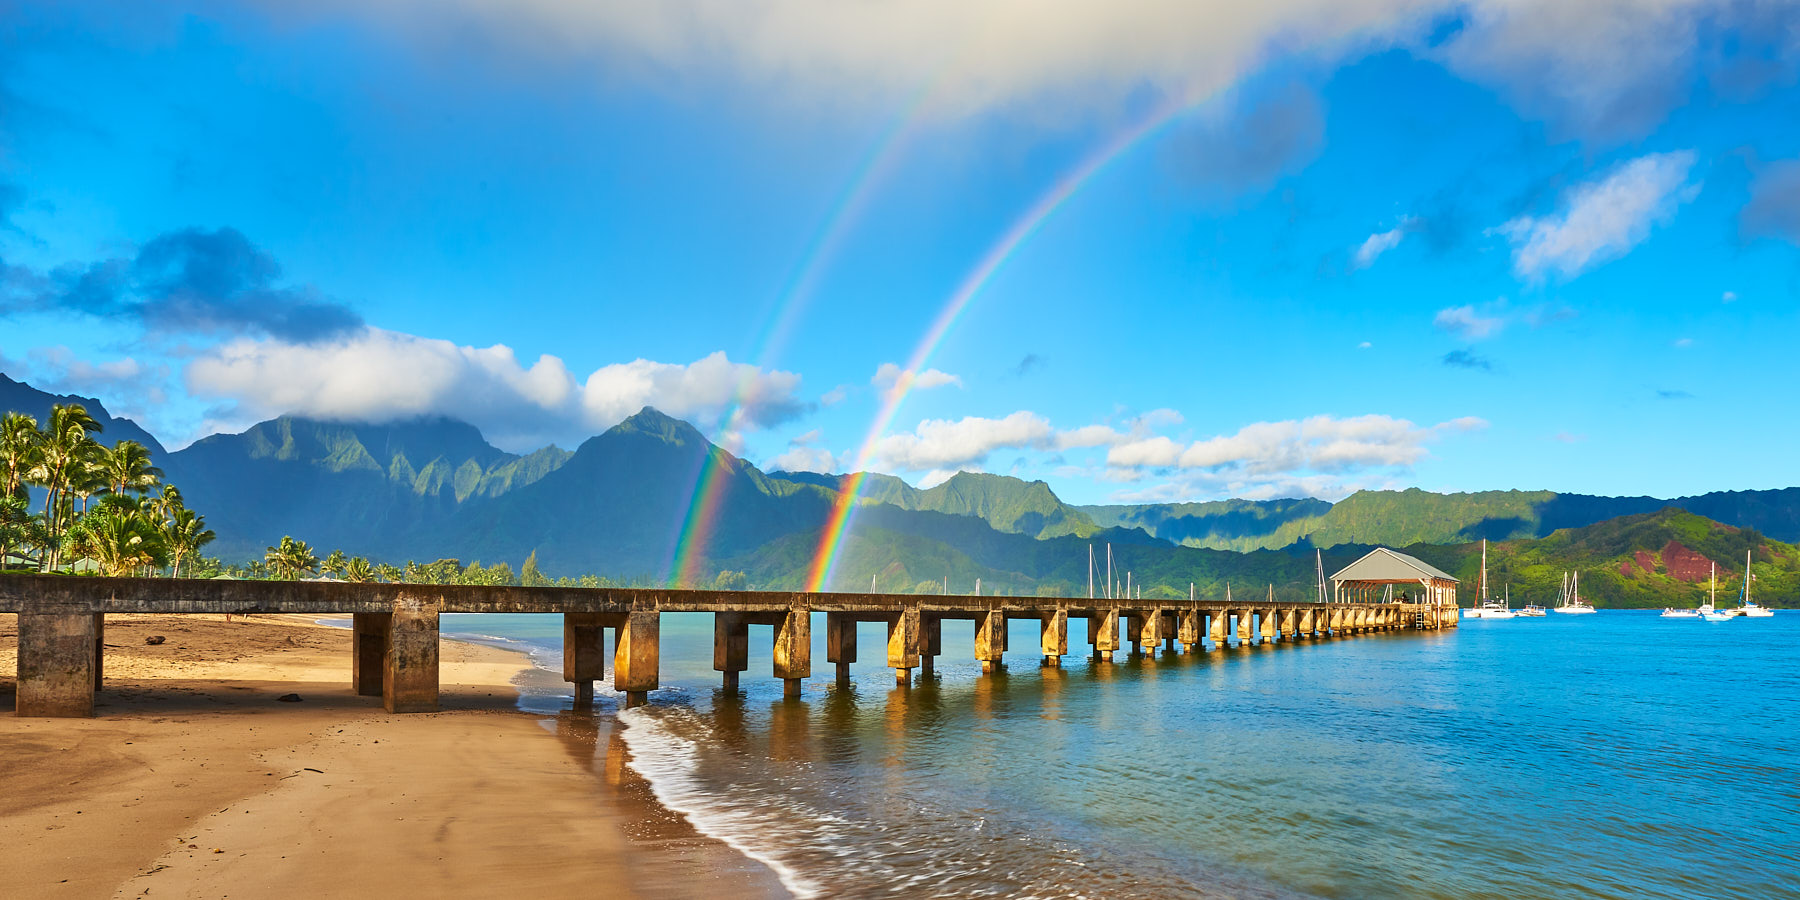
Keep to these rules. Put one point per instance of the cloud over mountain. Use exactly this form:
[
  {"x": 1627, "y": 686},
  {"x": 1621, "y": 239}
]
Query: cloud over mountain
[{"x": 379, "y": 375}]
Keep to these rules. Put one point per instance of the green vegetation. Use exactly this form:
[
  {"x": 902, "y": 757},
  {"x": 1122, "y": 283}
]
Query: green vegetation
[{"x": 98, "y": 513}]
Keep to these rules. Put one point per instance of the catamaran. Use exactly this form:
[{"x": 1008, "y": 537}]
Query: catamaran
[
  {"x": 1571, "y": 601},
  {"x": 1709, "y": 612},
  {"x": 1671, "y": 612},
  {"x": 1747, "y": 607}
]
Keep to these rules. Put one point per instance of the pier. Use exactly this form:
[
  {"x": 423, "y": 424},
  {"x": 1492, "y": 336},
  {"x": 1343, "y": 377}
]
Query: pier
[{"x": 62, "y": 627}]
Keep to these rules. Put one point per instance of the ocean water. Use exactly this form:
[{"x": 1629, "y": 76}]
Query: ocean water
[{"x": 1617, "y": 755}]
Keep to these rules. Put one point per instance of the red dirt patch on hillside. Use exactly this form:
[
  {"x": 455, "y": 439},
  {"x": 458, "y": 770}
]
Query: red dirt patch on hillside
[
  {"x": 1646, "y": 562},
  {"x": 1684, "y": 564}
]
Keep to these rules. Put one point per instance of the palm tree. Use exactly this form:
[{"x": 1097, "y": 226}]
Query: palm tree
[
  {"x": 59, "y": 460},
  {"x": 291, "y": 559},
  {"x": 18, "y": 443},
  {"x": 167, "y": 502},
  {"x": 120, "y": 537},
  {"x": 126, "y": 467},
  {"x": 389, "y": 573},
  {"x": 184, "y": 533},
  {"x": 334, "y": 563},
  {"x": 15, "y": 525},
  {"x": 359, "y": 570}
]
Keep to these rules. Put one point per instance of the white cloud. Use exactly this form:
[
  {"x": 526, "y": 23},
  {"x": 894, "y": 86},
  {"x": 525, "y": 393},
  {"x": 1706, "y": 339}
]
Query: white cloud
[
  {"x": 1364, "y": 345},
  {"x": 802, "y": 456},
  {"x": 1155, "y": 452},
  {"x": 1377, "y": 244},
  {"x": 944, "y": 444},
  {"x": 1600, "y": 63},
  {"x": 889, "y": 377},
  {"x": 1728, "y": 297},
  {"x": 126, "y": 386},
  {"x": 1468, "y": 324},
  {"x": 382, "y": 375},
  {"x": 1602, "y": 220},
  {"x": 1684, "y": 342},
  {"x": 834, "y": 396},
  {"x": 1321, "y": 444},
  {"x": 1609, "y": 68}
]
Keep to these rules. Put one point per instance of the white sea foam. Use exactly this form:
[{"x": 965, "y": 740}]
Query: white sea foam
[{"x": 668, "y": 762}]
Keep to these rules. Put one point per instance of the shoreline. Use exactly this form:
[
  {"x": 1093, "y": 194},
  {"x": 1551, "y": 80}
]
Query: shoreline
[{"x": 194, "y": 780}]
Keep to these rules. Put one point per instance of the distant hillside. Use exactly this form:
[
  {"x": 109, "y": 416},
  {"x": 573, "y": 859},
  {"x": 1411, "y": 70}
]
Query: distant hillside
[
  {"x": 1399, "y": 518},
  {"x": 620, "y": 505},
  {"x": 1007, "y": 503},
  {"x": 377, "y": 488},
  {"x": 1219, "y": 524},
  {"x": 16, "y": 396},
  {"x": 1650, "y": 560}
]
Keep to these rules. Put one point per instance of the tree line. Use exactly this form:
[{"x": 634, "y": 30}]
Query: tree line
[{"x": 106, "y": 505}]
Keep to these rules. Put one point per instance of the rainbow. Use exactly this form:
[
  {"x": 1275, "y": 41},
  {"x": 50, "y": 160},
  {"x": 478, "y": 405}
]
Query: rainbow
[
  {"x": 837, "y": 524},
  {"x": 702, "y": 516}
]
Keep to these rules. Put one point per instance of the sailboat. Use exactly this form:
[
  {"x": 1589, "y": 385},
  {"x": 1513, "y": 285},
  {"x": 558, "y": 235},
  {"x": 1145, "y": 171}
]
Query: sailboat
[
  {"x": 1748, "y": 607},
  {"x": 1571, "y": 603},
  {"x": 1673, "y": 613},
  {"x": 1488, "y": 608}
]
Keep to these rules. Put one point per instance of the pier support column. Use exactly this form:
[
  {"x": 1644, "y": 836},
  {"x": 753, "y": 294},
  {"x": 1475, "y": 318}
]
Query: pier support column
[
  {"x": 1270, "y": 626},
  {"x": 1055, "y": 633},
  {"x": 903, "y": 645},
  {"x": 931, "y": 642},
  {"x": 1187, "y": 629},
  {"x": 1106, "y": 635},
  {"x": 636, "y": 660},
  {"x": 731, "y": 647},
  {"x": 1151, "y": 632},
  {"x": 1307, "y": 623},
  {"x": 840, "y": 643},
  {"x": 57, "y": 665},
  {"x": 411, "y": 683},
  {"x": 368, "y": 651},
  {"x": 1243, "y": 628},
  {"x": 1217, "y": 624},
  {"x": 584, "y": 654},
  {"x": 990, "y": 639},
  {"x": 793, "y": 650}
]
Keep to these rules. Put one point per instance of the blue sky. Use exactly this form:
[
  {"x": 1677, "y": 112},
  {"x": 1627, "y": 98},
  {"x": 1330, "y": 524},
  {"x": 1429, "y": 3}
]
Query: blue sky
[{"x": 1377, "y": 244}]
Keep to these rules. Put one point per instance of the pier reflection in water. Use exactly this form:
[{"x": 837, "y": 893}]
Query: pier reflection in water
[{"x": 1411, "y": 766}]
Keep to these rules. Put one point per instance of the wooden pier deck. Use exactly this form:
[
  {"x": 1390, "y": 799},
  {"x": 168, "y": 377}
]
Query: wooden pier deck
[{"x": 395, "y": 656}]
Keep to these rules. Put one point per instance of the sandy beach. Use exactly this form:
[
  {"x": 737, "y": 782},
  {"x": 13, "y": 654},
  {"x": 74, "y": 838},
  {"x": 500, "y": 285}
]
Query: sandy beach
[{"x": 194, "y": 780}]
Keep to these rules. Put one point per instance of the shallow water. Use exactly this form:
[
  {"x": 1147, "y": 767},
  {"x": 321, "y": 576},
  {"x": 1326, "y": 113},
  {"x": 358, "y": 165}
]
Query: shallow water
[{"x": 1614, "y": 755}]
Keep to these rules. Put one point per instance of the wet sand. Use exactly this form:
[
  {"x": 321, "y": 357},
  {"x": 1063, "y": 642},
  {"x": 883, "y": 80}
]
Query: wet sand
[{"x": 193, "y": 780}]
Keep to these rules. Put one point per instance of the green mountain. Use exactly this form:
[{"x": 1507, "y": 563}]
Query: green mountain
[
  {"x": 376, "y": 488},
  {"x": 1413, "y": 516},
  {"x": 622, "y": 505},
  {"x": 1006, "y": 503},
  {"x": 17, "y": 396},
  {"x": 1663, "y": 558}
]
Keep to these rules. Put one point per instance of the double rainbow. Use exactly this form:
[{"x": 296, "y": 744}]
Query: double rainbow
[{"x": 837, "y": 525}]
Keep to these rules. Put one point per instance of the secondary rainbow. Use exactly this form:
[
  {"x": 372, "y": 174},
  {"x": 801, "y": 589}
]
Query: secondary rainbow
[
  {"x": 702, "y": 516},
  {"x": 837, "y": 524}
]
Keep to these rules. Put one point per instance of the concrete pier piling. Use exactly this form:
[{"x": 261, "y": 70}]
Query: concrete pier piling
[
  {"x": 990, "y": 639},
  {"x": 731, "y": 647},
  {"x": 58, "y": 665},
  {"x": 368, "y": 642},
  {"x": 793, "y": 650},
  {"x": 411, "y": 683},
  {"x": 840, "y": 643},
  {"x": 395, "y": 629},
  {"x": 903, "y": 644},
  {"x": 635, "y": 661},
  {"x": 584, "y": 654},
  {"x": 1055, "y": 637}
]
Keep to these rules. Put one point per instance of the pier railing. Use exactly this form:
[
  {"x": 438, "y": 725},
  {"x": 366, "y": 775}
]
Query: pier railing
[{"x": 395, "y": 628}]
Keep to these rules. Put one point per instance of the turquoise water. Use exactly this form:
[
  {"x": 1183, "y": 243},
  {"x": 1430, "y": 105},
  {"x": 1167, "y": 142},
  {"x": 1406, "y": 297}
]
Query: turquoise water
[{"x": 1614, "y": 755}]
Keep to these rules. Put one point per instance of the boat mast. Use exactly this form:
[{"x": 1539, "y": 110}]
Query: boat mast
[
  {"x": 1484, "y": 586},
  {"x": 1746, "y": 578}
]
